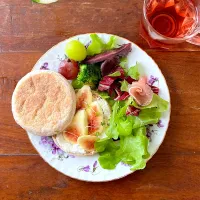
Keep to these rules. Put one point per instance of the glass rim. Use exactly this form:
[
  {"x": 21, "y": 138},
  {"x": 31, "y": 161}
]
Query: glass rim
[{"x": 163, "y": 36}]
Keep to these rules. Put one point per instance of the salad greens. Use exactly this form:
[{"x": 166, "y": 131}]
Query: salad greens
[
  {"x": 107, "y": 148},
  {"x": 131, "y": 130},
  {"x": 115, "y": 74},
  {"x": 133, "y": 144},
  {"x": 104, "y": 95},
  {"x": 124, "y": 85},
  {"x": 120, "y": 124},
  {"x": 123, "y": 63},
  {"x": 133, "y": 72},
  {"x": 131, "y": 149},
  {"x": 98, "y": 46}
]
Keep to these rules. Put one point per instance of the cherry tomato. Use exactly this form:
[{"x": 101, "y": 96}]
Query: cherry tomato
[{"x": 69, "y": 69}]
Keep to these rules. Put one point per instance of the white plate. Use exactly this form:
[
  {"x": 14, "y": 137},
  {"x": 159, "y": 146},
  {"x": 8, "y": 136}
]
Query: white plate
[{"x": 87, "y": 168}]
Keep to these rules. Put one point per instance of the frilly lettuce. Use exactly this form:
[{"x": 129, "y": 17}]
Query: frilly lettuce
[
  {"x": 111, "y": 43},
  {"x": 122, "y": 125},
  {"x": 98, "y": 46},
  {"x": 107, "y": 149},
  {"x": 115, "y": 74},
  {"x": 118, "y": 119},
  {"x": 124, "y": 85},
  {"x": 132, "y": 148},
  {"x": 123, "y": 64},
  {"x": 133, "y": 72}
]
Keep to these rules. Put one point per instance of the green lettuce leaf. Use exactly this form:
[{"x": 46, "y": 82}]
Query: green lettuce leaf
[
  {"x": 104, "y": 95},
  {"x": 157, "y": 102},
  {"x": 118, "y": 111},
  {"x": 147, "y": 116},
  {"x": 124, "y": 85},
  {"x": 133, "y": 72},
  {"x": 119, "y": 123},
  {"x": 122, "y": 125},
  {"x": 98, "y": 46},
  {"x": 131, "y": 149},
  {"x": 111, "y": 131},
  {"x": 123, "y": 64},
  {"x": 111, "y": 43},
  {"x": 107, "y": 149},
  {"x": 101, "y": 144},
  {"x": 134, "y": 149},
  {"x": 114, "y": 74},
  {"x": 150, "y": 116}
]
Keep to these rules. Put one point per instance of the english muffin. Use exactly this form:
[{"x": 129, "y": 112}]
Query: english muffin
[{"x": 43, "y": 103}]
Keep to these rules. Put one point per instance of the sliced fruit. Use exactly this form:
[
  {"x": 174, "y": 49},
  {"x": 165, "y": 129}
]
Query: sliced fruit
[
  {"x": 95, "y": 118},
  {"x": 87, "y": 142},
  {"x": 78, "y": 127},
  {"x": 83, "y": 97}
]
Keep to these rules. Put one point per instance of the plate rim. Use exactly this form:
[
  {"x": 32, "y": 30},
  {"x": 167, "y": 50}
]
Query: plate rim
[{"x": 169, "y": 111}]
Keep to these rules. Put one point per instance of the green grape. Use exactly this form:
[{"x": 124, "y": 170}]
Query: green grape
[{"x": 75, "y": 50}]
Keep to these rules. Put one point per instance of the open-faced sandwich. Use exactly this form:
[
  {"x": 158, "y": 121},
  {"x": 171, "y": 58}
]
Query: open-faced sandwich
[{"x": 94, "y": 104}]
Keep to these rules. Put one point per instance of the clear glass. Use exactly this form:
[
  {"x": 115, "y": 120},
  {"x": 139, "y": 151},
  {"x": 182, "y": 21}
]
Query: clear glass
[{"x": 178, "y": 20}]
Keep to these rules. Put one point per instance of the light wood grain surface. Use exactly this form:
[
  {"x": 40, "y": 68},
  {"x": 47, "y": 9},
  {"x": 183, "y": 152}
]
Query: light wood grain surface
[{"x": 27, "y": 30}]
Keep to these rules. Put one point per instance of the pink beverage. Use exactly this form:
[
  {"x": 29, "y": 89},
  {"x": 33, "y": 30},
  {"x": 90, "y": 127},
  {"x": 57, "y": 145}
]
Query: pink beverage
[
  {"x": 171, "y": 21},
  {"x": 172, "y": 18}
]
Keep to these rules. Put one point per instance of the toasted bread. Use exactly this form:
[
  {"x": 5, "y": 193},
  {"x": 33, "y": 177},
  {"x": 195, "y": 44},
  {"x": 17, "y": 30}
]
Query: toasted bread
[{"x": 43, "y": 103}]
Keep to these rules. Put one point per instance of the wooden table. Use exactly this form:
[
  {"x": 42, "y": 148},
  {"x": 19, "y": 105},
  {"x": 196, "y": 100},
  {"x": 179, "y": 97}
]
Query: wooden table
[{"x": 27, "y": 30}]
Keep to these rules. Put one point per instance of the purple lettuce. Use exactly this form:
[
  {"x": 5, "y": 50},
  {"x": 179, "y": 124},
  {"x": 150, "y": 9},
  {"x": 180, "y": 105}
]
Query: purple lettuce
[
  {"x": 108, "y": 55},
  {"x": 109, "y": 65}
]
